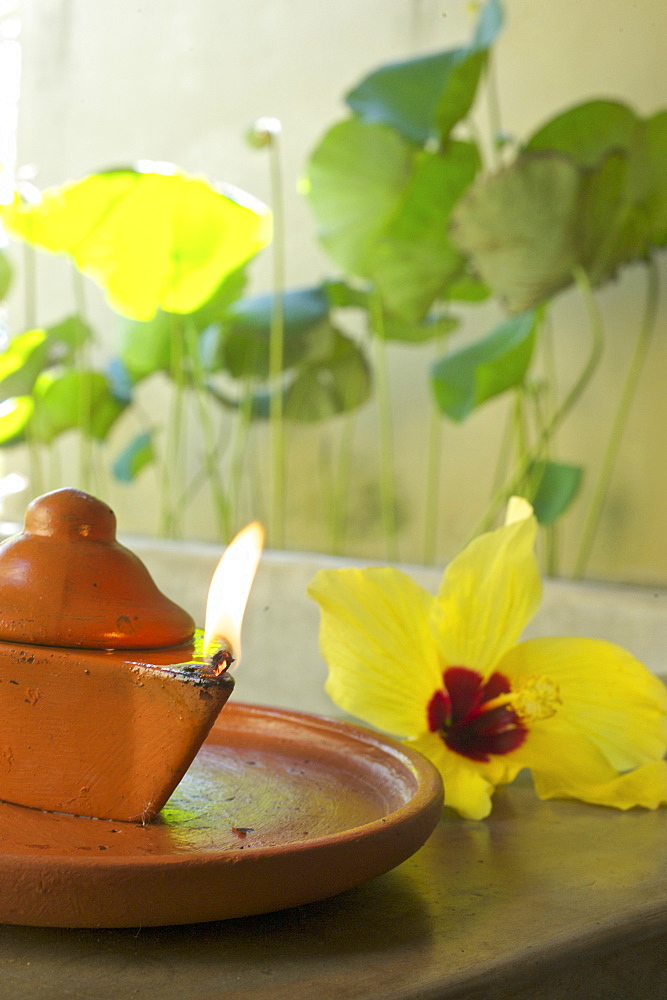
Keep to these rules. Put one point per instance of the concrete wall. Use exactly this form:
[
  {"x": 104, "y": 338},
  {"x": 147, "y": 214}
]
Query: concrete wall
[{"x": 105, "y": 83}]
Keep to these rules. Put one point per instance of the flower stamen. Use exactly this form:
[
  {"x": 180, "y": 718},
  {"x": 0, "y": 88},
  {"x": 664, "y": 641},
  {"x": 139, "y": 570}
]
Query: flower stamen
[{"x": 537, "y": 699}]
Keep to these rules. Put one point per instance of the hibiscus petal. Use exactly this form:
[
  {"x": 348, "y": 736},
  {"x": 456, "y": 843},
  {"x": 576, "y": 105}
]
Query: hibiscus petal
[
  {"x": 606, "y": 695},
  {"x": 468, "y": 785},
  {"x": 645, "y": 786},
  {"x": 488, "y": 594},
  {"x": 467, "y": 790},
  {"x": 376, "y": 639}
]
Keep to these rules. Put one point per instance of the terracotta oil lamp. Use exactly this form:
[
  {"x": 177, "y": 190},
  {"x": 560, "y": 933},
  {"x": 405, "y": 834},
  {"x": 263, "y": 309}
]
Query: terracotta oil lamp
[{"x": 105, "y": 692}]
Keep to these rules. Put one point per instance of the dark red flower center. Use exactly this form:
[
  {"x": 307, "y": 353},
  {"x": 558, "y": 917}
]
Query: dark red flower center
[{"x": 468, "y": 716}]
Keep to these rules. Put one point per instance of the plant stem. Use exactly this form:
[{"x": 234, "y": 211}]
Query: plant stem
[
  {"x": 36, "y": 471},
  {"x": 336, "y": 483},
  {"x": 504, "y": 452},
  {"x": 551, "y": 538},
  {"x": 549, "y": 356},
  {"x": 29, "y": 287},
  {"x": 493, "y": 106},
  {"x": 170, "y": 509},
  {"x": 432, "y": 485},
  {"x": 325, "y": 463},
  {"x": 192, "y": 488},
  {"x": 432, "y": 491},
  {"x": 597, "y": 345},
  {"x": 237, "y": 449},
  {"x": 385, "y": 428},
  {"x": 82, "y": 363},
  {"x": 519, "y": 432},
  {"x": 343, "y": 484},
  {"x": 646, "y": 330},
  {"x": 276, "y": 353},
  {"x": 54, "y": 465},
  {"x": 546, "y": 434},
  {"x": 210, "y": 444}
]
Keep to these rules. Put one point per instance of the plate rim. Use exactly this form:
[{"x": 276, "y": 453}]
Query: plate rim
[
  {"x": 427, "y": 779},
  {"x": 157, "y": 888}
]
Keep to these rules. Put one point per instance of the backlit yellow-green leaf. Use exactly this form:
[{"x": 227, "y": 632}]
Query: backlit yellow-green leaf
[
  {"x": 151, "y": 238},
  {"x": 14, "y": 416}
]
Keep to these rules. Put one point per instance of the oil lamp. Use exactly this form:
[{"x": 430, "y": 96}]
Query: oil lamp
[
  {"x": 106, "y": 690},
  {"x": 107, "y": 693}
]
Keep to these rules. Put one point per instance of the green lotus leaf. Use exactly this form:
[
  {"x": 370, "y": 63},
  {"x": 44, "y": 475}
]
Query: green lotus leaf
[
  {"x": 21, "y": 362},
  {"x": 624, "y": 179},
  {"x": 145, "y": 347},
  {"x": 518, "y": 226},
  {"x": 406, "y": 332},
  {"x": 152, "y": 238},
  {"x": 15, "y": 414},
  {"x": 215, "y": 308},
  {"x": 136, "y": 456},
  {"x": 466, "y": 378},
  {"x": 80, "y": 400},
  {"x": 553, "y": 486},
  {"x": 382, "y": 209},
  {"x": 655, "y": 173},
  {"x": 418, "y": 96},
  {"x": 339, "y": 383},
  {"x": 528, "y": 228},
  {"x": 588, "y": 132},
  {"x": 30, "y": 353},
  {"x": 466, "y": 288},
  {"x": 66, "y": 337},
  {"x": 120, "y": 380},
  {"x": 256, "y": 403},
  {"x": 611, "y": 227},
  {"x": 421, "y": 97},
  {"x": 489, "y": 25},
  {"x": 245, "y": 337},
  {"x": 355, "y": 180},
  {"x": 301, "y": 308},
  {"x": 415, "y": 259},
  {"x": 343, "y": 295}
]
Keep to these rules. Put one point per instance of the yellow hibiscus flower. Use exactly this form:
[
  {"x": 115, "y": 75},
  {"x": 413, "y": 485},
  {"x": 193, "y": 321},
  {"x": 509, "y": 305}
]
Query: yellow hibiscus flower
[{"x": 449, "y": 674}]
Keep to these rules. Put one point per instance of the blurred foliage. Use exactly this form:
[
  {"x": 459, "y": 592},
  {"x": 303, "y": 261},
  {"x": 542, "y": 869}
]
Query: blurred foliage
[{"x": 422, "y": 223}]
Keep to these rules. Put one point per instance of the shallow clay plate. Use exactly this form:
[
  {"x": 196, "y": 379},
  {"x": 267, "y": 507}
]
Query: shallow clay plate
[{"x": 278, "y": 809}]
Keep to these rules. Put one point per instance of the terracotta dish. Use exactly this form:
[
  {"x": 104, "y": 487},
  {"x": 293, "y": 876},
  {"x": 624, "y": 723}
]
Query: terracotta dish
[
  {"x": 278, "y": 809},
  {"x": 104, "y": 701}
]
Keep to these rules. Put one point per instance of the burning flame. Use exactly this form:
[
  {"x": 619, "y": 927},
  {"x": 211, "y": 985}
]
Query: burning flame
[{"x": 230, "y": 589}]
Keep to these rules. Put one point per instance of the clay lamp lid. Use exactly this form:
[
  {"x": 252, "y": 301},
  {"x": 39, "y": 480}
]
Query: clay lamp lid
[{"x": 66, "y": 581}]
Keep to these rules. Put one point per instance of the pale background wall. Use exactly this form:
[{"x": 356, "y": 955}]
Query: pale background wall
[{"x": 106, "y": 82}]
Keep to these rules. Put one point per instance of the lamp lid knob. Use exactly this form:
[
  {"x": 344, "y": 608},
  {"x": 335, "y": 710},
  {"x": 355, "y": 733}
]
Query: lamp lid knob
[{"x": 67, "y": 581}]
